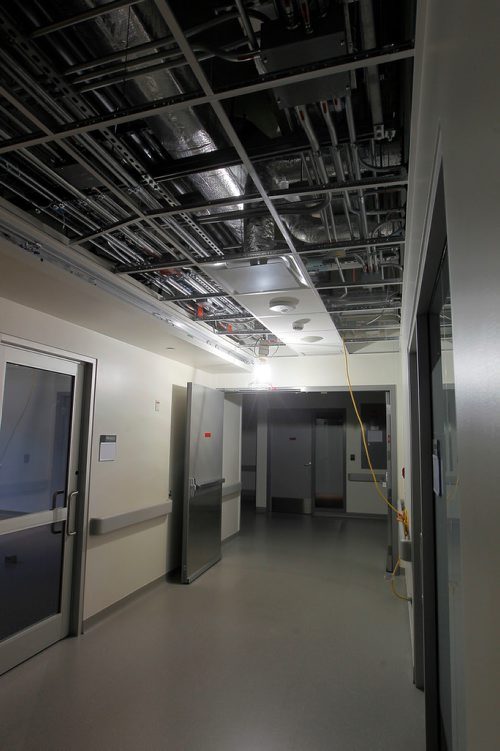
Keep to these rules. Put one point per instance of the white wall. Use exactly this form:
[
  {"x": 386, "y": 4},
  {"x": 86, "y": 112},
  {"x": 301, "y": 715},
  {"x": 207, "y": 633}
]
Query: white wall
[
  {"x": 231, "y": 465},
  {"x": 129, "y": 381},
  {"x": 457, "y": 110}
]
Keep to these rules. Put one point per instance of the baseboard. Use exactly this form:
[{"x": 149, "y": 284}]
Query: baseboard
[
  {"x": 350, "y": 515},
  {"x": 231, "y": 537},
  {"x": 119, "y": 604}
]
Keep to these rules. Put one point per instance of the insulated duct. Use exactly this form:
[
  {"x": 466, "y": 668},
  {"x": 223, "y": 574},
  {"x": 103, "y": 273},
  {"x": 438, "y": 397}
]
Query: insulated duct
[{"x": 181, "y": 133}]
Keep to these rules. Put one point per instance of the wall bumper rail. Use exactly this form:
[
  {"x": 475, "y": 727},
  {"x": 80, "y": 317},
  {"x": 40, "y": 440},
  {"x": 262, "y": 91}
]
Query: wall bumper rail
[{"x": 104, "y": 525}]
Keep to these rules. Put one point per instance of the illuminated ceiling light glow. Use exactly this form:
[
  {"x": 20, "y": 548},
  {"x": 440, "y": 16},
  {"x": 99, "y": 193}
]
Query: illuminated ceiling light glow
[{"x": 261, "y": 373}]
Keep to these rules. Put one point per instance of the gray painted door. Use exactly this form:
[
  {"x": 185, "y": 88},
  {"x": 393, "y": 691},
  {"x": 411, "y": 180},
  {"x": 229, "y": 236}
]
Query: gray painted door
[
  {"x": 201, "y": 545},
  {"x": 39, "y": 443},
  {"x": 290, "y": 460}
]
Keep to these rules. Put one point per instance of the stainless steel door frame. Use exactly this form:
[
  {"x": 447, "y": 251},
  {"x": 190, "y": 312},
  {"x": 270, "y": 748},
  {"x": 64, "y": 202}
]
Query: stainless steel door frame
[
  {"x": 202, "y": 508},
  {"x": 326, "y": 413},
  {"x": 27, "y": 641}
]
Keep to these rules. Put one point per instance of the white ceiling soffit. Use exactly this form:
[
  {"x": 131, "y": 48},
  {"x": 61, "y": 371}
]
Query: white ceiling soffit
[{"x": 317, "y": 335}]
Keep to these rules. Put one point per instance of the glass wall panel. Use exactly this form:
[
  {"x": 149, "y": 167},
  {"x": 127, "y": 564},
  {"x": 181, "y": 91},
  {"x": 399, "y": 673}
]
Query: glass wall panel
[{"x": 34, "y": 440}]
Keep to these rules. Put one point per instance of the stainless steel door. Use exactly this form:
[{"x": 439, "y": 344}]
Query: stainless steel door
[
  {"x": 39, "y": 429},
  {"x": 201, "y": 545}
]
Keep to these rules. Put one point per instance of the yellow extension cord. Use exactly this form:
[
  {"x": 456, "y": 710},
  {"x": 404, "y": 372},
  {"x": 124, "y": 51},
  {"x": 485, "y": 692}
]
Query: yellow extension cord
[{"x": 401, "y": 516}]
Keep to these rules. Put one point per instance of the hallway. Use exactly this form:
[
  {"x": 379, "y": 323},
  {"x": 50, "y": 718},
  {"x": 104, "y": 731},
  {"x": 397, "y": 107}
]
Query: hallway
[{"x": 293, "y": 642}]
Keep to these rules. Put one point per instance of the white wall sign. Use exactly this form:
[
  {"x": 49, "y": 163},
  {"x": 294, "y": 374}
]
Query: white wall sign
[{"x": 107, "y": 448}]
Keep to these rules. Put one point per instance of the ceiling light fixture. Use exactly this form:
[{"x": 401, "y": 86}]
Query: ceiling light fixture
[
  {"x": 283, "y": 304},
  {"x": 261, "y": 374}
]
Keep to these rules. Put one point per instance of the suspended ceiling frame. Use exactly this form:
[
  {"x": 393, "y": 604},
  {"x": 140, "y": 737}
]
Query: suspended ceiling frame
[{"x": 263, "y": 197}]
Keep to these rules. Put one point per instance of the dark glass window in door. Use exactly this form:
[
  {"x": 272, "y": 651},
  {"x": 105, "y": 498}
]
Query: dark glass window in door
[
  {"x": 447, "y": 512},
  {"x": 34, "y": 449}
]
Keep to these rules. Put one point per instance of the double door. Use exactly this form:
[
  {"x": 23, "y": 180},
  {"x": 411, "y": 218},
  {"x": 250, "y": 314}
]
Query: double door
[
  {"x": 307, "y": 460},
  {"x": 40, "y": 414}
]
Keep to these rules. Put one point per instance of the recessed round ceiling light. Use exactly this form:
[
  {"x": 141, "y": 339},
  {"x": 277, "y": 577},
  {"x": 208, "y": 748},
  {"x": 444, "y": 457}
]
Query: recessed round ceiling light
[
  {"x": 312, "y": 339},
  {"x": 283, "y": 304}
]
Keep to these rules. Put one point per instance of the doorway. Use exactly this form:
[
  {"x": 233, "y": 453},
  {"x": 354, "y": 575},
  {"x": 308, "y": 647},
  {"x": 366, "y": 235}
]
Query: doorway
[
  {"x": 307, "y": 460},
  {"x": 436, "y": 508},
  {"x": 328, "y": 462},
  {"x": 302, "y": 452},
  {"x": 40, "y": 493}
]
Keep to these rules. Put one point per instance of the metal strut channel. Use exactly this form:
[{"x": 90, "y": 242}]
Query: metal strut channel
[
  {"x": 361, "y": 285},
  {"x": 181, "y": 101},
  {"x": 303, "y": 191},
  {"x": 340, "y": 247},
  {"x": 85, "y": 16}
]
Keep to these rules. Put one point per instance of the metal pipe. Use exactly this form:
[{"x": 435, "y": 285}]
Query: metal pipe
[
  {"x": 306, "y": 16},
  {"x": 305, "y": 120},
  {"x": 339, "y": 167},
  {"x": 349, "y": 42},
  {"x": 369, "y": 42},
  {"x": 246, "y": 23},
  {"x": 357, "y": 170},
  {"x": 289, "y": 11}
]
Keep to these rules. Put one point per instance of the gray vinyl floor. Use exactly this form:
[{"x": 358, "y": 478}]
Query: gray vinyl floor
[{"x": 293, "y": 642}]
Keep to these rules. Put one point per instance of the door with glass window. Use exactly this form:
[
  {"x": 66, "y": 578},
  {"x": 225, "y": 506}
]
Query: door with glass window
[
  {"x": 40, "y": 411},
  {"x": 447, "y": 517}
]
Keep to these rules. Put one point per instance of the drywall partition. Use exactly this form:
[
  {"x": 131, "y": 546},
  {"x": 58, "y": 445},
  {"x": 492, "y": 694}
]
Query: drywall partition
[
  {"x": 231, "y": 466},
  {"x": 456, "y": 121},
  {"x": 132, "y": 400}
]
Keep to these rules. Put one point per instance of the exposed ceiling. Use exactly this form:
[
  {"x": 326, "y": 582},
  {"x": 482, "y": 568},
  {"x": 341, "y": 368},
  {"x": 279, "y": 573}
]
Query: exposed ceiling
[{"x": 239, "y": 164}]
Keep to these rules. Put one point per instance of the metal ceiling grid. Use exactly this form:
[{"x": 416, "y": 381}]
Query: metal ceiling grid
[{"x": 136, "y": 213}]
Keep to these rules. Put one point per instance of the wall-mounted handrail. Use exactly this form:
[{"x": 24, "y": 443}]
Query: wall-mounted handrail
[
  {"x": 105, "y": 524},
  {"x": 231, "y": 490}
]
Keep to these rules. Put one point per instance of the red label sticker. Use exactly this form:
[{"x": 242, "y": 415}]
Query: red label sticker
[{"x": 208, "y": 435}]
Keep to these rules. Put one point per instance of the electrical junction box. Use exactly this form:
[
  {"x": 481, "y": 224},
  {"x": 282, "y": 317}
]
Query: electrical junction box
[{"x": 284, "y": 48}]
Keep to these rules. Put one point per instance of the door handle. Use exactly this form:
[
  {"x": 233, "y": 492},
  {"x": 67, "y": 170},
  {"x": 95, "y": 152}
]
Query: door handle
[
  {"x": 54, "y": 503},
  {"x": 71, "y": 532},
  {"x": 208, "y": 485},
  {"x": 309, "y": 464}
]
